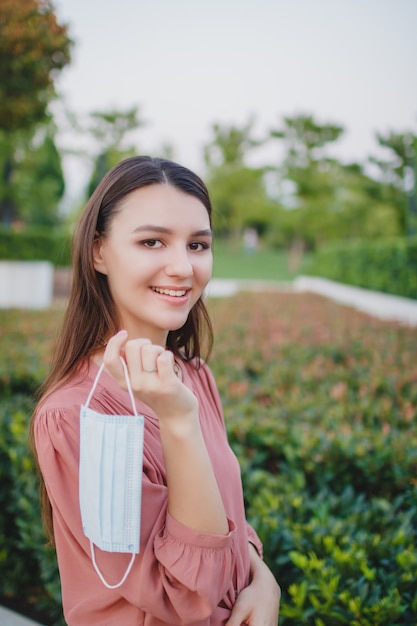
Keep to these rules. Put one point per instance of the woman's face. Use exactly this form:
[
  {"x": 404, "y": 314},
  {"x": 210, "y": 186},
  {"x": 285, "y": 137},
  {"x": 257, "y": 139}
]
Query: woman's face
[{"x": 157, "y": 258}]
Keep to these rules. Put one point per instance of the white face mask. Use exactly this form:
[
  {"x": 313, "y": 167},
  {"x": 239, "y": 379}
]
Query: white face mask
[{"x": 110, "y": 482}]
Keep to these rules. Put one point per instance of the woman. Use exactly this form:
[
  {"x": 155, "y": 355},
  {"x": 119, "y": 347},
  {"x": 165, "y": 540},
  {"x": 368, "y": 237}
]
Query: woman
[{"x": 141, "y": 259}]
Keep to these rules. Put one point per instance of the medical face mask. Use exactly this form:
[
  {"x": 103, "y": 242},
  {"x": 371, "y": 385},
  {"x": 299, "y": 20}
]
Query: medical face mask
[{"x": 110, "y": 480}]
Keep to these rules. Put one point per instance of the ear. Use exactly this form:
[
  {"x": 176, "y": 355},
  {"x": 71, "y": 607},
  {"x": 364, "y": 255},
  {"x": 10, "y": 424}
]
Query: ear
[{"x": 98, "y": 257}]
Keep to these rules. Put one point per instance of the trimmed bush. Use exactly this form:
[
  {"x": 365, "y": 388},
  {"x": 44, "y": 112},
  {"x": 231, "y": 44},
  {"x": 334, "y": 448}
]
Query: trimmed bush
[
  {"x": 35, "y": 245},
  {"x": 320, "y": 404},
  {"x": 389, "y": 266},
  {"x": 28, "y": 568}
]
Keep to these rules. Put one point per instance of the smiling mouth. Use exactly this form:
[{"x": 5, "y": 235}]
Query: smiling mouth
[{"x": 178, "y": 293}]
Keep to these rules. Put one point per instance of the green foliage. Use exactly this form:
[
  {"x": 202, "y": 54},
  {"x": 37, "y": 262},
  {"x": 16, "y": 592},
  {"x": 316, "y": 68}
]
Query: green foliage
[
  {"x": 331, "y": 200},
  {"x": 399, "y": 174},
  {"x": 28, "y": 567},
  {"x": 110, "y": 129},
  {"x": 36, "y": 245},
  {"x": 320, "y": 404},
  {"x": 238, "y": 192},
  {"x": 229, "y": 145},
  {"x": 103, "y": 163},
  {"x": 33, "y": 48},
  {"x": 305, "y": 138},
  {"x": 388, "y": 265},
  {"x": 38, "y": 181},
  {"x": 239, "y": 199},
  {"x": 27, "y": 341}
]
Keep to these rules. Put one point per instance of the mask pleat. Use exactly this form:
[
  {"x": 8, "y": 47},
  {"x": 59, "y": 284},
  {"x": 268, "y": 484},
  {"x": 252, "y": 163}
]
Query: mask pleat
[
  {"x": 90, "y": 468},
  {"x": 119, "y": 482},
  {"x": 107, "y": 480}
]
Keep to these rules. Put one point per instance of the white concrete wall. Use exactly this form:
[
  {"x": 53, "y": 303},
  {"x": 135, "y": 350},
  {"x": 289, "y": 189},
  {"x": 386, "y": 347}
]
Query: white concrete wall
[{"x": 26, "y": 284}]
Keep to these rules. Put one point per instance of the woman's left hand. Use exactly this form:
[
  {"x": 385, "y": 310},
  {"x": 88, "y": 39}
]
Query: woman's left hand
[{"x": 258, "y": 603}]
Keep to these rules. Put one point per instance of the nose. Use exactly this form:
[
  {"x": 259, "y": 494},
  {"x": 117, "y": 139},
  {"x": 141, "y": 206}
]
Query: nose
[{"x": 179, "y": 263}]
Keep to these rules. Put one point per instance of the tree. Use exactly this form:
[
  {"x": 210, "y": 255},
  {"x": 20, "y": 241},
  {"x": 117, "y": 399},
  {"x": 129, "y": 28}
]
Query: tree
[
  {"x": 39, "y": 180},
  {"x": 34, "y": 48},
  {"x": 311, "y": 174},
  {"x": 305, "y": 139},
  {"x": 110, "y": 129},
  {"x": 229, "y": 145},
  {"x": 330, "y": 199},
  {"x": 305, "y": 162},
  {"x": 399, "y": 175},
  {"x": 238, "y": 191}
]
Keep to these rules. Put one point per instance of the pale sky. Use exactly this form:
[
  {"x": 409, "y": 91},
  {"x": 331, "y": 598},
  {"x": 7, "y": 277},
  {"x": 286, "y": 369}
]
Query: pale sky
[{"x": 188, "y": 64}]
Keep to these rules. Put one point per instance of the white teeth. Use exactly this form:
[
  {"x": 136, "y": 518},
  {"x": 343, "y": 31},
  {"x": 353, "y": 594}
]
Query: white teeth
[{"x": 170, "y": 292}]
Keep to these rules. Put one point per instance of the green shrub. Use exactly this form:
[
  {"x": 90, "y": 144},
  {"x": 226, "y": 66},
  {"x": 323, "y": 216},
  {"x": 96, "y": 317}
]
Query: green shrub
[
  {"x": 320, "y": 405},
  {"x": 35, "y": 245},
  {"x": 28, "y": 568},
  {"x": 389, "y": 266},
  {"x": 27, "y": 340}
]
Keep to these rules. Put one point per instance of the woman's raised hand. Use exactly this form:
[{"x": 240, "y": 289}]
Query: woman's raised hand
[
  {"x": 193, "y": 494},
  {"x": 152, "y": 376}
]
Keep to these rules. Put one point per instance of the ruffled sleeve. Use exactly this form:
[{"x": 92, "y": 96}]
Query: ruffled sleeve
[
  {"x": 205, "y": 580},
  {"x": 254, "y": 539}
]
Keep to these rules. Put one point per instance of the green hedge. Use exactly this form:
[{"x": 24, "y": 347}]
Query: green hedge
[
  {"x": 29, "y": 580},
  {"x": 28, "y": 568},
  {"x": 320, "y": 403},
  {"x": 35, "y": 245},
  {"x": 389, "y": 266}
]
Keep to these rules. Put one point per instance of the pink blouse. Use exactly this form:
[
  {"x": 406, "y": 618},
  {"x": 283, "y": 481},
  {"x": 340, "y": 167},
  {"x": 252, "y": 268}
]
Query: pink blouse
[{"x": 180, "y": 576}]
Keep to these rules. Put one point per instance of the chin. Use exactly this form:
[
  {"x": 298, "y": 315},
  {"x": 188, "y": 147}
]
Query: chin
[
  {"x": 174, "y": 324},
  {"x": 178, "y": 326}
]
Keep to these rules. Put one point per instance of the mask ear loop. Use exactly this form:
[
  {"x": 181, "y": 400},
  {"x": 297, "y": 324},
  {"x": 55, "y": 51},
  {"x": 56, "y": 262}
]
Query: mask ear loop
[
  {"x": 132, "y": 399},
  {"x": 129, "y": 386},
  {"x": 100, "y": 575}
]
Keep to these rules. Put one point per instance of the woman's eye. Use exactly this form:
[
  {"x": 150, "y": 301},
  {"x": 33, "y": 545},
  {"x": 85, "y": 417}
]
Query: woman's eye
[
  {"x": 197, "y": 246},
  {"x": 152, "y": 243}
]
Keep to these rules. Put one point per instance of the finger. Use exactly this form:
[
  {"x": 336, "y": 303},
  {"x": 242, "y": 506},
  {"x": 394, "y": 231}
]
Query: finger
[
  {"x": 133, "y": 352},
  {"x": 149, "y": 355},
  {"x": 165, "y": 363},
  {"x": 134, "y": 348},
  {"x": 113, "y": 352}
]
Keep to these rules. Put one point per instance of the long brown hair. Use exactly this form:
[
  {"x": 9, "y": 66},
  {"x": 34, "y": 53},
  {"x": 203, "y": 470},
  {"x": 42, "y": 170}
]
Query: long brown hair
[{"x": 90, "y": 316}]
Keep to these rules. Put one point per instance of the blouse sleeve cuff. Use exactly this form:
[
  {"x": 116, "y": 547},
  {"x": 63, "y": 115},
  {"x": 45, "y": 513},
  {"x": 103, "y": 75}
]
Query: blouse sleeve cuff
[
  {"x": 186, "y": 535},
  {"x": 254, "y": 540}
]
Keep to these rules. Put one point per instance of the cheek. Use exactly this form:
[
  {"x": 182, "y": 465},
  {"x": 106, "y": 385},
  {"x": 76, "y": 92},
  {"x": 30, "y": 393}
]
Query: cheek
[
  {"x": 204, "y": 270},
  {"x": 125, "y": 264}
]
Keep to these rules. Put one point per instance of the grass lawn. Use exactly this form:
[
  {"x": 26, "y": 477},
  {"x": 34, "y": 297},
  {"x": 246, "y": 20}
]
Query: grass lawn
[{"x": 232, "y": 261}]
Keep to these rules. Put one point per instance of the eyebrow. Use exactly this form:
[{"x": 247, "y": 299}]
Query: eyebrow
[{"x": 167, "y": 231}]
